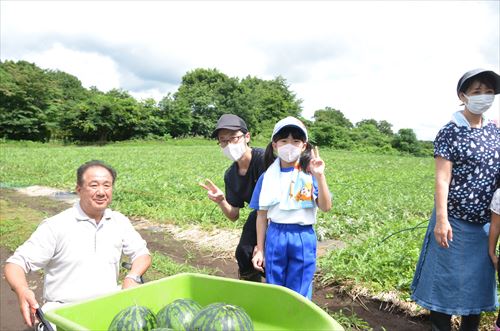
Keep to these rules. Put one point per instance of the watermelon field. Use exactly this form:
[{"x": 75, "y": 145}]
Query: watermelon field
[{"x": 380, "y": 208}]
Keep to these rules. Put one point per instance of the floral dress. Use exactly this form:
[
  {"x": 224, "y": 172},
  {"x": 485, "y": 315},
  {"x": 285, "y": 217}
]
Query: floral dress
[{"x": 460, "y": 280}]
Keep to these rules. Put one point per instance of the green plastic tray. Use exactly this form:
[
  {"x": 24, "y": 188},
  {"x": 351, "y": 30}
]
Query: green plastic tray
[{"x": 271, "y": 307}]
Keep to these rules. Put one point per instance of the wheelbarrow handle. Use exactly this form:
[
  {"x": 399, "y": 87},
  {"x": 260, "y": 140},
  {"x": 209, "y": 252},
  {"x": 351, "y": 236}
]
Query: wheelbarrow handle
[{"x": 41, "y": 317}]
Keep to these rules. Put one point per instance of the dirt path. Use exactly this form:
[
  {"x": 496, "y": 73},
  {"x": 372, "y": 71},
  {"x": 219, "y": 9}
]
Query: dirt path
[{"x": 167, "y": 242}]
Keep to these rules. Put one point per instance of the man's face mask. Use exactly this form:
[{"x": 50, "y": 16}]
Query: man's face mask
[{"x": 234, "y": 152}]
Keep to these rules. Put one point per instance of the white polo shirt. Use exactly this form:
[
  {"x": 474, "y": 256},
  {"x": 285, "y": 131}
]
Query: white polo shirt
[{"x": 80, "y": 258}]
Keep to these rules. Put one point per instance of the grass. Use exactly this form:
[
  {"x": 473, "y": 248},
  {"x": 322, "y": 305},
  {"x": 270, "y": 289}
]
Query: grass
[
  {"x": 487, "y": 321},
  {"x": 163, "y": 266},
  {"x": 17, "y": 223},
  {"x": 374, "y": 196},
  {"x": 350, "y": 321},
  {"x": 155, "y": 180}
]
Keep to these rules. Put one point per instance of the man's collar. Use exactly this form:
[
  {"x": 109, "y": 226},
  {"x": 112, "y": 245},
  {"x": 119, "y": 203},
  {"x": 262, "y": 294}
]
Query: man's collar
[{"x": 81, "y": 216}]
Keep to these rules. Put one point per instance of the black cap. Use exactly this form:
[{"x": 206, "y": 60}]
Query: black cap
[
  {"x": 230, "y": 122},
  {"x": 479, "y": 72}
]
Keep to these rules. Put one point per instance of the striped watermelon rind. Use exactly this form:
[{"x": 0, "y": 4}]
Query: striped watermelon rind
[
  {"x": 178, "y": 314},
  {"x": 222, "y": 317},
  {"x": 133, "y": 318}
]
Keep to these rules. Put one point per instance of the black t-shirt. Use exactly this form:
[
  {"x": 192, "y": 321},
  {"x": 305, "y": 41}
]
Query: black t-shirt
[{"x": 239, "y": 188}]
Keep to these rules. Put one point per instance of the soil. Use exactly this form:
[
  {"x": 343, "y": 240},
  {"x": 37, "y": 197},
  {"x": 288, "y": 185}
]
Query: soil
[{"x": 378, "y": 315}]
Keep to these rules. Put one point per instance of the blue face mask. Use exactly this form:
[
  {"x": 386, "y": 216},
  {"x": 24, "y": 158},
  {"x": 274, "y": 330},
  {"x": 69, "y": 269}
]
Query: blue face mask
[{"x": 478, "y": 104}]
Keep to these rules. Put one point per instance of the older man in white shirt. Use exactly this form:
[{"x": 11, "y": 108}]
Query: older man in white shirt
[{"x": 80, "y": 248}]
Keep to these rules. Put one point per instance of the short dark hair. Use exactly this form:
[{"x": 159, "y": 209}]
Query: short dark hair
[{"x": 90, "y": 164}]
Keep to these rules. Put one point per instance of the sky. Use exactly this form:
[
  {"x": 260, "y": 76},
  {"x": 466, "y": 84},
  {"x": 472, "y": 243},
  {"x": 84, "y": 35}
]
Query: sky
[{"x": 398, "y": 61}]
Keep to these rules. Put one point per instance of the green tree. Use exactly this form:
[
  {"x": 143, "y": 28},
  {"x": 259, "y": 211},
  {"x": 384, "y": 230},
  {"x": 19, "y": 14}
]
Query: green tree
[
  {"x": 383, "y": 126},
  {"x": 72, "y": 93},
  {"x": 205, "y": 94},
  {"x": 368, "y": 134},
  {"x": 371, "y": 122},
  {"x": 266, "y": 101},
  {"x": 151, "y": 120},
  {"x": 28, "y": 107},
  {"x": 176, "y": 116},
  {"x": 333, "y": 117},
  {"x": 406, "y": 141},
  {"x": 104, "y": 117},
  {"x": 326, "y": 134},
  {"x": 126, "y": 115},
  {"x": 275, "y": 100},
  {"x": 89, "y": 121}
]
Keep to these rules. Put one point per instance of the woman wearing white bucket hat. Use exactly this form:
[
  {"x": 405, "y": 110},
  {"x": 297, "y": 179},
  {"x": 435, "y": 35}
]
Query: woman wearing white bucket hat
[{"x": 454, "y": 274}]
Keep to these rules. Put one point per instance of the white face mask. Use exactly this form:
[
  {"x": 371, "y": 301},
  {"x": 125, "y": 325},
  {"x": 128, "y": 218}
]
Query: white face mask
[
  {"x": 234, "y": 152},
  {"x": 478, "y": 104},
  {"x": 289, "y": 153}
]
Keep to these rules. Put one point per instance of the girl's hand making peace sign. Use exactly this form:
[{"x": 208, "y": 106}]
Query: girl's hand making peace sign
[{"x": 316, "y": 165}]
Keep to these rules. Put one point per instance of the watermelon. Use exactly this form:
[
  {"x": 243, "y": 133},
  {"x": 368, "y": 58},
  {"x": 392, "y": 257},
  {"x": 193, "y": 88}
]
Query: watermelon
[
  {"x": 178, "y": 314},
  {"x": 221, "y": 317},
  {"x": 137, "y": 318}
]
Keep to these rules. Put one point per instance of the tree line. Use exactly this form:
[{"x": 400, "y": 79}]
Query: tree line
[{"x": 42, "y": 105}]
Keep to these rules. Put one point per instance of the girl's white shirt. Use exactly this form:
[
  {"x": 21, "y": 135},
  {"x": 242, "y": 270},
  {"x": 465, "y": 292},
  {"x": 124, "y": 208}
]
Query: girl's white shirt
[
  {"x": 303, "y": 216},
  {"x": 495, "y": 202}
]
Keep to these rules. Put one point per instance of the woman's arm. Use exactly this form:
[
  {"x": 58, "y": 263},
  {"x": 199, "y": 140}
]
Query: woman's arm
[
  {"x": 442, "y": 231},
  {"x": 493, "y": 239}
]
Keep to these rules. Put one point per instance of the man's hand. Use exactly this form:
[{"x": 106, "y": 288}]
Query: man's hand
[
  {"x": 129, "y": 283},
  {"x": 28, "y": 305},
  {"x": 214, "y": 193}
]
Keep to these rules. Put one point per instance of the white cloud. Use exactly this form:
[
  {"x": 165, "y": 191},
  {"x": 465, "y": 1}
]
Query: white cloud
[
  {"x": 387, "y": 60},
  {"x": 91, "y": 68},
  {"x": 151, "y": 93}
]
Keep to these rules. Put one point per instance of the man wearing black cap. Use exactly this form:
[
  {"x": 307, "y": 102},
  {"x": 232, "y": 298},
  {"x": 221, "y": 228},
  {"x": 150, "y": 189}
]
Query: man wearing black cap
[{"x": 240, "y": 179}]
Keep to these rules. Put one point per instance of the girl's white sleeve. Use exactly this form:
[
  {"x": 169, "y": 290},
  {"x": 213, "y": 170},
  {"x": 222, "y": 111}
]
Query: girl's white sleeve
[{"x": 495, "y": 202}]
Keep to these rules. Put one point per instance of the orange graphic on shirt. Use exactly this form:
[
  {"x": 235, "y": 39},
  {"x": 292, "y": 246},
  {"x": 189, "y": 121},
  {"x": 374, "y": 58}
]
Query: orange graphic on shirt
[{"x": 305, "y": 194}]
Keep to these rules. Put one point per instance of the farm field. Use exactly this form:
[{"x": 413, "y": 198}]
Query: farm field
[
  {"x": 20, "y": 213},
  {"x": 381, "y": 204},
  {"x": 375, "y": 196}
]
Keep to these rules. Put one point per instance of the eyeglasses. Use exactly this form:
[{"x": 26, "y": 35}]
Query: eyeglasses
[{"x": 232, "y": 140}]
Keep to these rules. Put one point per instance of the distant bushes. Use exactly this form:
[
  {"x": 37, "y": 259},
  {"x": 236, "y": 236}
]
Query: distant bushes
[{"x": 42, "y": 105}]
